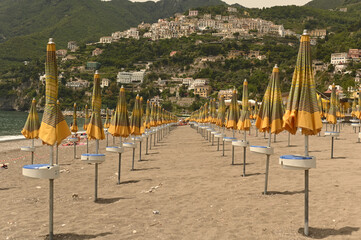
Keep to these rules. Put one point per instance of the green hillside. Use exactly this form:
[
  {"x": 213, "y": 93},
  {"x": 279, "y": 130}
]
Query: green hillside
[
  {"x": 26, "y": 25},
  {"x": 325, "y": 4}
]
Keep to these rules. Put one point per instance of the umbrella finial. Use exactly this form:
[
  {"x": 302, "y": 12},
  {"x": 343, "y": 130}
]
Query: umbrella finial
[
  {"x": 96, "y": 72},
  {"x": 276, "y": 66},
  {"x": 122, "y": 86},
  {"x": 50, "y": 41},
  {"x": 74, "y": 104},
  {"x": 305, "y": 32}
]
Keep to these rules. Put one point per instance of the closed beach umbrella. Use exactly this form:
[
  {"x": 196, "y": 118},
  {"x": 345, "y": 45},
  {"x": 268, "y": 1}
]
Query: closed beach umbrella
[
  {"x": 147, "y": 116},
  {"x": 319, "y": 102},
  {"x": 74, "y": 127},
  {"x": 32, "y": 124},
  {"x": 206, "y": 113},
  {"x": 269, "y": 118},
  {"x": 232, "y": 118},
  {"x": 302, "y": 109},
  {"x": 53, "y": 128},
  {"x": 95, "y": 128},
  {"x": 338, "y": 106},
  {"x": 86, "y": 121},
  {"x": 120, "y": 126},
  {"x": 331, "y": 116},
  {"x": 354, "y": 108},
  {"x": 136, "y": 120},
  {"x": 153, "y": 115},
  {"x": 31, "y": 127},
  {"x": 221, "y": 115},
  {"x": 244, "y": 122},
  {"x": 107, "y": 119},
  {"x": 255, "y": 111},
  {"x": 214, "y": 111}
]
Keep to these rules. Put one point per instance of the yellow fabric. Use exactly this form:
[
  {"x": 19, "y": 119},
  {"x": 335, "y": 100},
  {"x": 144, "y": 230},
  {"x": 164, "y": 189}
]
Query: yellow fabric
[
  {"x": 276, "y": 125},
  {"x": 53, "y": 128},
  {"x": 74, "y": 127},
  {"x": 32, "y": 124},
  {"x": 301, "y": 119}
]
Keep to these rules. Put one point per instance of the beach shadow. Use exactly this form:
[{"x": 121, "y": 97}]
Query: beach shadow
[
  {"x": 6, "y": 188},
  {"x": 144, "y": 169},
  {"x": 252, "y": 174},
  {"x": 237, "y": 164},
  {"x": 153, "y": 153},
  {"x": 320, "y": 233},
  {"x": 74, "y": 236},
  {"x": 339, "y": 158},
  {"x": 315, "y": 151},
  {"x": 108, "y": 200},
  {"x": 130, "y": 181},
  {"x": 285, "y": 192}
]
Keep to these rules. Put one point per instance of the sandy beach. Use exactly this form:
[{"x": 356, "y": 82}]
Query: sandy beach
[{"x": 185, "y": 189}]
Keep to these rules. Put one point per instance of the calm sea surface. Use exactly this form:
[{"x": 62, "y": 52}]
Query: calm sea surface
[{"x": 11, "y": 122}]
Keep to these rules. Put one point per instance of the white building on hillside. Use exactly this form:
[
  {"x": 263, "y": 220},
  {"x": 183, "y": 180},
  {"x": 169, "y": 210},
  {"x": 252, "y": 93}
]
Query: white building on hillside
[
  {"x": 130, "y": 77},
  {"x": 339, "y": 58}
]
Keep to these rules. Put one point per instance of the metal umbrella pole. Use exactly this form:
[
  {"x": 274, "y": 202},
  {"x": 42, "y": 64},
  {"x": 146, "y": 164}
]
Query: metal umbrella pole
[
  {"x": 51, "y": 198},
  {"x": 133, "y": 155},
  {"x": 32, "y": 152},
  {"x": 107, "y": 138},
  {"x": 74, "y": 149},
  {"x": 267, "y": 164},
  {"x": 146, "y": 146},
  {"x": 289, "y": 139},
  {"x": 244, "y": 155},
  {"x": 306, "y": 189},
  {"x": 120, "y": 160},
  {"x": 96, "y": 172},
  {"x": 140, "y": 150},
  {"x": 150, "y": 141}
]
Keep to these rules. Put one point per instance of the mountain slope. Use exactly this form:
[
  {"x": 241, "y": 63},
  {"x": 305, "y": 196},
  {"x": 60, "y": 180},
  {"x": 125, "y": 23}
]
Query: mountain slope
[{"x": 26, "y": 25}]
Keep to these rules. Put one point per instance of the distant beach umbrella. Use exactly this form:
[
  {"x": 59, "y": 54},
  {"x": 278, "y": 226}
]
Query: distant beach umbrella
[
  {"x": 244, "y": 122},
  {"x": 319, "y": 102},
  {"x": 269, "y": 117},
  {"x": 332, "y": 112},
  {"x": 302, "y": 109},
  {"x": 255, "y": 111},
  {"x": 159, "y": 117},
  {"x": 354, "y": 107},
  {"x": 120, "y": 125},
  {"x": 135, "y": 119},
  {"x": 232, "y": 118},
  {"x": 74, "y": 127},
  {"x": 95, "y": 128},
  {"x": 32, "y": 124},
  {"x": 205, "y": 113},
  {"x": 86, "y": 120},
  {"x": 107, "y": 119},
  {"x": 147, "y": 115},
  {"x": 221, "y": 114}
]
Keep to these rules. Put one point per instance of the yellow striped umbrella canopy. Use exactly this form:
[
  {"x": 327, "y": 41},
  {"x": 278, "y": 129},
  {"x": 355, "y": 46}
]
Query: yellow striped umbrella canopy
[
  {"x": 359, "y": 106},
  {"x": 214, "y": 111},
  {"x": 107, "y": 120},
  {"x": 354, "y": 108},
  {"x": 159, "y": 117},
  {"x": 119, "y": 125},
  {"x": 332, "y": 112},
  {"x": 86, "y": 120},
  {"x": 153, "y": 116},
  {"x": 206, "y": 113},
  {"x": 53, "y": 127},
  {"x": 162, "y": 116},
  {"x": 147, "y": 116},
  {"x": 319, "y": 102},
  {"x": 302, "y": 109},
  {"x": 244, "y": 122},
  {"x": 74, "y": 127},
  {"x": 338, "y": 105},
  {"x": 95, "y": 128},
  {"x": 32, "y": 124},
  {"x": 221, "y": 115},
  {"x": 271, "y": 111},
  {"x": 136, "y": 118},
  {"x": 142, "y": 128},
  {"x": 255, "y": 111},
  {"x": 232, "y": 118}
]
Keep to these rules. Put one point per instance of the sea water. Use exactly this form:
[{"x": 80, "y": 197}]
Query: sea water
[{"x": 12, "y": 122}]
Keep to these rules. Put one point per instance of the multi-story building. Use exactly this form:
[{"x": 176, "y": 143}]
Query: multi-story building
[
  {"x": 203, "y": 90},
  {"x": 321, "y": 33},
  {"x": 354, "y": 54},
  {"x": 339, "y": 58},
  {"x": 193, "y": 13},
  {"x": 77, "y": 84},
  {"x": 73, "y": 46},
  {"x": 61, "y": 52},
  {"x": 232, "y": 9},
  {"x": 105, "y": 82},
  {"x": 227, "y": 94},
  {"x": 106, "y": 39},
  {"x": 130, "y": 77}
]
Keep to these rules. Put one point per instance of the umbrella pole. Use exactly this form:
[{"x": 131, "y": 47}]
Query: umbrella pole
[
  {"x": 113, "y": 141},
  {"x": 56, "y": 154},
  {"x": 146, "y": 147},
  {"x": 244, "y": 154},
  {"x": 150, "y": 141},
  {"x": 133, "y": 155},
  {"x": 120, "y": 160},
  {"x": 74, "y": 150},
  {"x": 306, "y": 190},
  {"x": 274, "y": 140},
  {"x": 96, "y": 172},
  {"x": 232, "y": 154},
  {"x": 51, "y": 198},
  {"x": 223, "y": 148},
  {"x": 289, "y": 139},
  {"x": 107, "y": 138},
  {"x": 32, "y": 153},
  {"x": 267, "y": 164},
  {"x": 218, "y": 145},
  {"x": 140, "y": 150},
  {"x": 87, "y": 145}
]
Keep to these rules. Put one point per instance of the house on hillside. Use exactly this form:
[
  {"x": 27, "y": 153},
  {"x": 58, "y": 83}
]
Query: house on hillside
[
  {"x": 73, "y": 46},
  {"x": 106, "y": 39},
  {"x": 97, "y": 52}
]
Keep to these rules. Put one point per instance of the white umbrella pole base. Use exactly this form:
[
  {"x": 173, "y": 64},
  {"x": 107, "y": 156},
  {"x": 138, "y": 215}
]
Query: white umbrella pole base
[
  {"x": 294, "y": 162},
  {"x": 92, "y": 158},
  {"x": 27, "y": 149},
  {"x": 115, "y": 149},
  {"x": 41, "y": 171}
]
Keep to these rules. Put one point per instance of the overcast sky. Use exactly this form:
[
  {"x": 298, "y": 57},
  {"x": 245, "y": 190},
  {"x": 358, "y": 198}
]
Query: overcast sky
[{"x": 259, "y": 3}]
